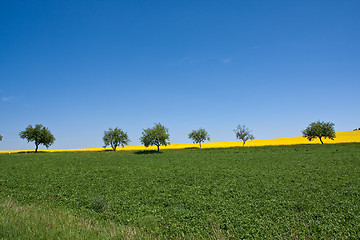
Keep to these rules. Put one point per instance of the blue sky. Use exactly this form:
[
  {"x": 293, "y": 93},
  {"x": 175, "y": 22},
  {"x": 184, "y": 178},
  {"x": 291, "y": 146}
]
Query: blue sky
[{"x": 81, "y": 67}]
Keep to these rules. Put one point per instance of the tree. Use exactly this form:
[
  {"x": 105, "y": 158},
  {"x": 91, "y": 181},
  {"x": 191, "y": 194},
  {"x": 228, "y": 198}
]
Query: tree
[
  {"x": 199, "y": 136},
  {"x": 0, "y": 138},
  {"x": 319, "y": 130},
  {"x": 39, "y": 134},
  {"x": 243, "y": 133},
  {"x": 158, "y": 135},
  {"x": 115, "y": 137}
]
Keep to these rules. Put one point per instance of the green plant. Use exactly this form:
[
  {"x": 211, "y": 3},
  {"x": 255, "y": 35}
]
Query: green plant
[
  {"x": 38, "y": 134},
  {"x": 320, "y": 130},
  {"x": 199, "y": 136},
  {"x": 99, "y": 204},
  {"x": 243, "y": 133},
  {"x": 157, "y": 135},
  {"x": 115, "y": 137}
]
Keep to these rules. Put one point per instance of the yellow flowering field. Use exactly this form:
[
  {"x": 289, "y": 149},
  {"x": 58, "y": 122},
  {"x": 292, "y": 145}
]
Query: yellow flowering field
[{"x": 341, "y": 137}]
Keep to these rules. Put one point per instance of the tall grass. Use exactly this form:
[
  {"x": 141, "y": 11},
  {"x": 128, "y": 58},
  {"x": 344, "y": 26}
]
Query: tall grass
[{"x": 40, "y": 222}]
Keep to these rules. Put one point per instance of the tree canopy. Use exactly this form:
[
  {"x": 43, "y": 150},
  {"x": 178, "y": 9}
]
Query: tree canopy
[
  {"x": 320, "y": 130},
  {"x": 115, "y": 137},
  {"x": 199, "y": 136},
  {"x": 243, "y": 133},
  {"x": 157, "y": 135},
  {"x": 38, "y": 134}
]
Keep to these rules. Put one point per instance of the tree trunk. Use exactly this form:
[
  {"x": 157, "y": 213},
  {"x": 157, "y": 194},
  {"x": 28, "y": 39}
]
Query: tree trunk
[
  {"x": 200, "y": 144},
  {"x": 158, "y": 148},
  {"x": 243, "y": 143},
  {"x": 321, "y": 140},
  {"x": 36, "y": 148},
  {"x": 113, "y": 146}
]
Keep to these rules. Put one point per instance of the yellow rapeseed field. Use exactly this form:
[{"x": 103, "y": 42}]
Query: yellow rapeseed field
[{"x": 341, "y": 137}]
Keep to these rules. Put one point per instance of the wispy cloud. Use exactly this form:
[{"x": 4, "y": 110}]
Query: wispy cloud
[
  {"x": 5, "y": 99},
  {"x": 226, "y": 60},
  {"x": 8, "y": 99}
]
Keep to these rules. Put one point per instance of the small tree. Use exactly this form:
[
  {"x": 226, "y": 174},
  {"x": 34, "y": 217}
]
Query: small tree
[
  {"x": 39, "y": 134},
  {"x": 0, "y": 138},
  {"x": 115, "y": 137},
  {"x": 199, "y": 136},
  {"x": 319, "y": 130},
  {"x": 243, "y": 133},
  {"x": 158, "y": 135}
]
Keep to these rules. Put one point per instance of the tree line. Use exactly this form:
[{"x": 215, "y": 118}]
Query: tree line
[{"x": 158, "y": 135}]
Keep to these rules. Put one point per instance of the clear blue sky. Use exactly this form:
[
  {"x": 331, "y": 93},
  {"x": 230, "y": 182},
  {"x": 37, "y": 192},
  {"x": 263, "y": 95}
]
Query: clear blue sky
[{"x": 81, "y": 67}]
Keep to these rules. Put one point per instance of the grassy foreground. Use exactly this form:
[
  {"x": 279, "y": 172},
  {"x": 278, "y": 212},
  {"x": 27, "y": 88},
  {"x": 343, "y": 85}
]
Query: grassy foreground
[{"x": 300, "y": 191}]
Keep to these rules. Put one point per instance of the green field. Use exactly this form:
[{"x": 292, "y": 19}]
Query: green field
[{"x": 285, "y": 192}]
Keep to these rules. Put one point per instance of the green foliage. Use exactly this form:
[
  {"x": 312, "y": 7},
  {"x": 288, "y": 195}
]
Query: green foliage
[
  {"x": 38, "y": 134},
  {"x": 158, "y": 135},
  {"x": 284, "y": 192},
  {"x": 320, "y": 130},
  {"x": 115, "y": 137},
  {"x": 199, "y": 136},
  {"x": 99, "y": 204},
  {"x": 243, "y": 133},
  {"x": 1, "y": 138}
]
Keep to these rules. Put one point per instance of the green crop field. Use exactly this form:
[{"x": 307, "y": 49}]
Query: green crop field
[{"x": 285, "y": 192}]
